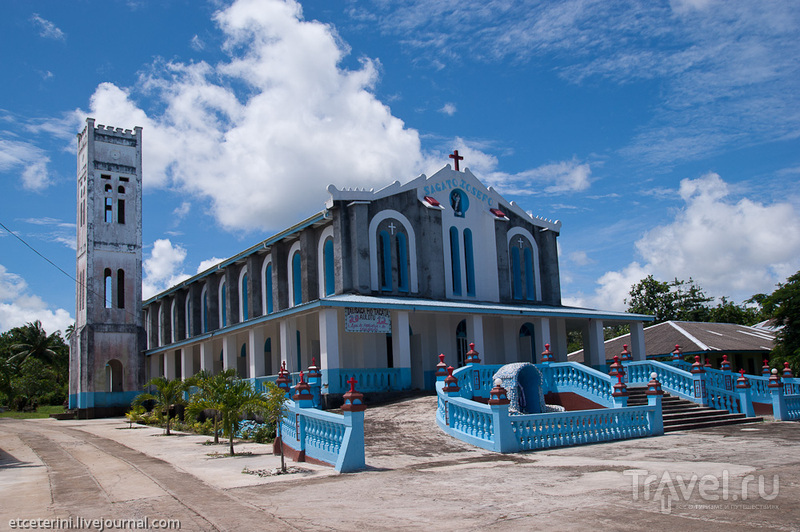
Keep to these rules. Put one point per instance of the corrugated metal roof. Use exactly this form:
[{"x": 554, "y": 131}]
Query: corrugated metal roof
[{"x": 693, "y": 337}]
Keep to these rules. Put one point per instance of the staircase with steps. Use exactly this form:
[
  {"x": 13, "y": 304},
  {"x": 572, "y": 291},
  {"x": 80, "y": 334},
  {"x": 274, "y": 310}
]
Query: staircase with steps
[{"x": 681, "y": 414}]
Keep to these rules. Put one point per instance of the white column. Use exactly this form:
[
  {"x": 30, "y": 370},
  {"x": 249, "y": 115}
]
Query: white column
[
  {"x": 255, "y": 352},
  {"x": 475, "y": 329},
  {"x": 595, "y": 355},
  {"x": 187, "y": 362},
  {"x": 207, "y": 357},
  {"x": 637, "y": 341},
  {"x": 510, "y": 343},
  {"x": 288, "y": 344},
  {"x": 169, "y": 364},
  {"x": 558, "y": 339},
  {"x": 401, "y": 347},
  {"x": 328, "y": 339},
  {"x": 229, "y": 352},
  {"x": 541, "y": 331}
]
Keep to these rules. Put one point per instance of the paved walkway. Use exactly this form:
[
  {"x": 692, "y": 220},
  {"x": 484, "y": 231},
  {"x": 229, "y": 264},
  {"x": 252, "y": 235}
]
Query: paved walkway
[{"x": 418, "y": 477}]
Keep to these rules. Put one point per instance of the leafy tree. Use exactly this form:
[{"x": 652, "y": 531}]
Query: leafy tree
[
  {"x": 687, "y": 301},
  {"x": 166, "y": 394},
  {"x": 210, "y": 389},
  {"x": 274, "y": 411},
  {"x": 238, "y": 398},
  {"x": 652, "y": 297},
  {"x": 784, "y": 306},
  {"x": 35, "y": 342}
]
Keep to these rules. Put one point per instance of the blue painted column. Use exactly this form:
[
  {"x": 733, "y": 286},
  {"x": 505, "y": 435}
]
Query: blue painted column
[
  {"x": 505, "y": 441},
  {"x": 699, "y": 378},
  {"x": 745, "y": 398},
  {"x": 351, "y": 455},
  {"x": 473, "y": 362},
  {"x": 779, "y": 410},
  {"x": 314, "y": 382},
  {"x": 654, "y": 396}
]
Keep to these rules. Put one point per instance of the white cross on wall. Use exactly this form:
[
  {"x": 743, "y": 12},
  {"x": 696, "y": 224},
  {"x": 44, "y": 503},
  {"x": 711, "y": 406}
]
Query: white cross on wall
[
  {"x": 392, "y": 227},
  {"x": 521, "y": 242}
]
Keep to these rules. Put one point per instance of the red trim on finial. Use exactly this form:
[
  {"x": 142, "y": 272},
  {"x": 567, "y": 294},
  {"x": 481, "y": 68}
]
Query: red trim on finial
[
  {"x": 432, "y": 201},
  {"x": 497, "y": 212}
]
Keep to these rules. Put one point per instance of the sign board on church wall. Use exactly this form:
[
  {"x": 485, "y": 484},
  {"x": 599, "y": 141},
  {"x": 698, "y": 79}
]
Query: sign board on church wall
[{"x": 367, "y": 320}]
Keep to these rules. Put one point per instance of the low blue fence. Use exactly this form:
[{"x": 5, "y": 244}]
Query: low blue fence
[
  {"x": 335, "y": 439},
  {"x": 492, "y": 427}
]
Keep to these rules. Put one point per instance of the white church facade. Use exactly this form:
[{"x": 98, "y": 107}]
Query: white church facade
[{"x": 373, "y": 286}]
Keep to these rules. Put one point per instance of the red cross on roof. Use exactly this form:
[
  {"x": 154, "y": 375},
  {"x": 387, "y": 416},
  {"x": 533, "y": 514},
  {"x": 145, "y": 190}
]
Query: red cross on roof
[{"x": 456, "y": 157}]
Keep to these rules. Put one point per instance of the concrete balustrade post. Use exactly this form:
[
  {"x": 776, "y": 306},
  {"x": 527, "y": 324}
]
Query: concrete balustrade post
[
  {"x": 654, "y": 395},
  {"x": 699, "y": 377},
  {"x": 505, "y": 440},
  {"x": 351, "y": 455},
  {"x": 779, "y": 410},
  {"x": 745, "y": 397}
]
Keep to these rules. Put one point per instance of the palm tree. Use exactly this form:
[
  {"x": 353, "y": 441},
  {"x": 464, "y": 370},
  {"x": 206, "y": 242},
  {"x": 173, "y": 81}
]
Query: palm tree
[
  {"x": 35, "y": 342},
  {"x": 274, "y": 411},
  {"x": 167, "y": 393},
  {"x": 238, "y": 398},
  {"x": 70, "y": 330},
  {"x": 209, "y": 394}
]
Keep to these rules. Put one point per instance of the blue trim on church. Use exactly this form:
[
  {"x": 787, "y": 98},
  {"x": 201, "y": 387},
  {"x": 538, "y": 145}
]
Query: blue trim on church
[{"x": 85, "y": 400}]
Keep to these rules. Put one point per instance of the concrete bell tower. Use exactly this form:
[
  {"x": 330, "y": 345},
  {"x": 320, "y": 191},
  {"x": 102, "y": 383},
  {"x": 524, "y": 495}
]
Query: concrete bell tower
[{"x": 106, "y": 361}]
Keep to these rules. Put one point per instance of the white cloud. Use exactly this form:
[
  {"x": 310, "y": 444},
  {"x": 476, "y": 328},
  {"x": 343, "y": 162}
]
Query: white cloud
[
  {"x": 47, "y": 29},
  {"x": 180, "y": 212},
  {"x": 197, "y": 44},
  {"x": 302, "y": 123},
  {"x": 448, "y": 109},
  {"x": 18, "y": 307},
  {"x": 726, "y": 71},
  {"x": 731, "y": 248},
  {"x": 162, "y": 267},
  {"x": 208, "y": 263},
  {"x": 16, "y": 155}
]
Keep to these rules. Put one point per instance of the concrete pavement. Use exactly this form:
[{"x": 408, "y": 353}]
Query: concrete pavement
[{"x": 739, "y": 477}]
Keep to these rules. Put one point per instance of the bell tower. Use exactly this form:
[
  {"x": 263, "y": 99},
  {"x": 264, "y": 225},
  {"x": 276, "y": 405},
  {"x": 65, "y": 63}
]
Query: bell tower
[{"x": 106, "y": 362}]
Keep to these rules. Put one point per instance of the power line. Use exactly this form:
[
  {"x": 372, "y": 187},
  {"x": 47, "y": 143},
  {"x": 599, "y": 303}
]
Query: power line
[{"x": 73, "y": 279}]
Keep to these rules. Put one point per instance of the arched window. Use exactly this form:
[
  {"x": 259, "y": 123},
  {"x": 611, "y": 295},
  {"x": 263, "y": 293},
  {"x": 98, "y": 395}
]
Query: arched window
[
  {"x": 386, "y": 260},
  {"x": 173, "y": 325},
  {"x": 268, "y": 288},
  {"x": 223, "y": 307},
  {"x": 121, "y": 189},
  {"x": 244, "y": 313},
  {"x": 107, "y": 288},
  {"x": 297, "y": 284},
  {"x": 461, "y": 342},
  {"x": 455, "y": 261},
  {"x": 469, "y": 262},
  {"x": 160, "y": 326},
  {"x": 330, "y": 279},
  {"x": 523, "y": 256},
  {"x": 187, "y": 316},
  {"x": 204, "y": 309},
  {"x": 530, "y": 287},
  {"x": 108, "y": 188},
  {"x": 120, "y": 288},
  {"x": 402, "y": 262}
]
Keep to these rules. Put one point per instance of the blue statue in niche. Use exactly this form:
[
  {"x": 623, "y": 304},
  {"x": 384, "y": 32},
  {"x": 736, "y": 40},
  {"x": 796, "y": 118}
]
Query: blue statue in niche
[{"x": 523, "y": 382}]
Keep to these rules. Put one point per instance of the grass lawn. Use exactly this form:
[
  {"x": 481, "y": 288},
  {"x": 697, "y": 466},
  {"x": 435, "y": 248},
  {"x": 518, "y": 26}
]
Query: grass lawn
[{"x": 41, "y": 412}]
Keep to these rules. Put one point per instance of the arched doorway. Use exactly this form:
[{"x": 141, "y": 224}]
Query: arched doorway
[{"x": 114, "y": 376}]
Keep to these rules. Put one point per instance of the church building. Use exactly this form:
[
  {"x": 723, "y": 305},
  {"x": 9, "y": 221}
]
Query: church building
[{"x": 373, "y": 286}]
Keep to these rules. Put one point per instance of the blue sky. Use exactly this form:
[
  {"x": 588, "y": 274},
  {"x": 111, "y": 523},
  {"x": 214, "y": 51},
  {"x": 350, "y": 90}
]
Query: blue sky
[{"x": 664, "y": 135}]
